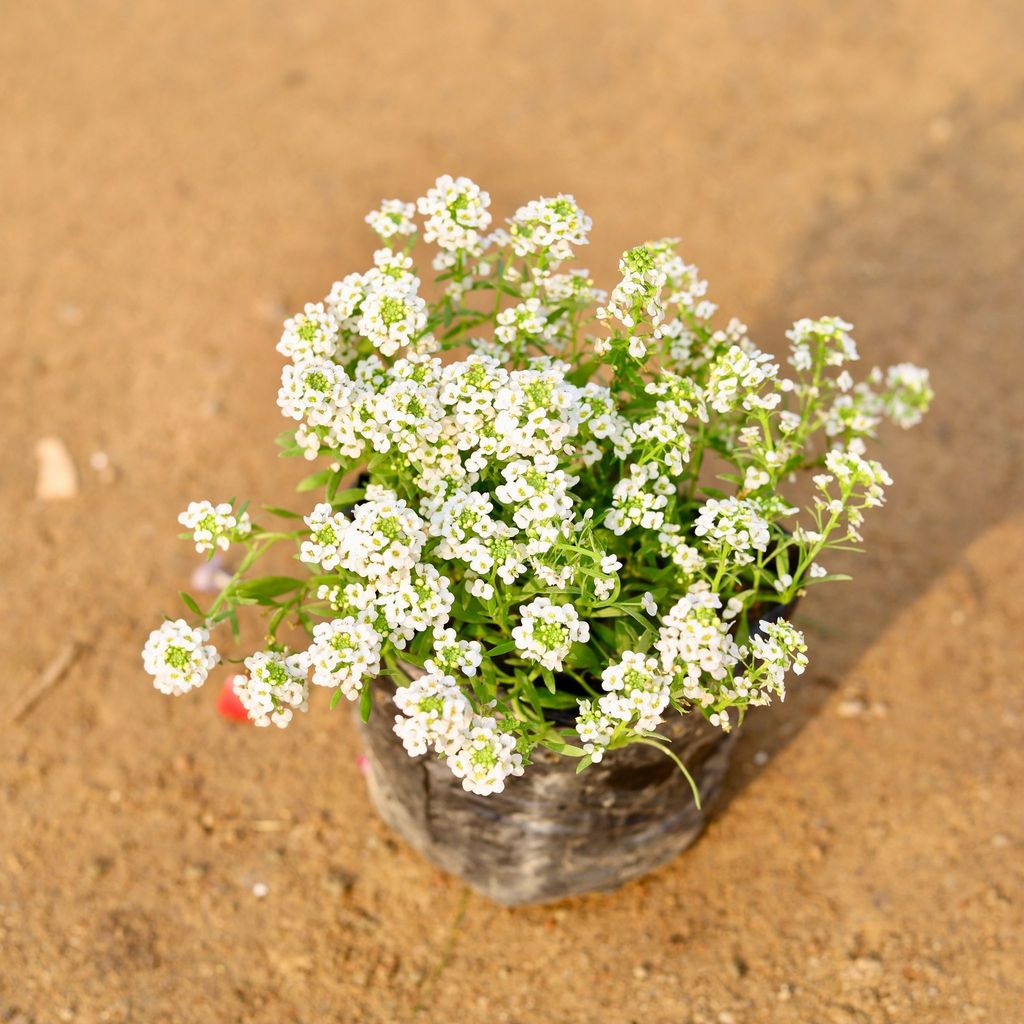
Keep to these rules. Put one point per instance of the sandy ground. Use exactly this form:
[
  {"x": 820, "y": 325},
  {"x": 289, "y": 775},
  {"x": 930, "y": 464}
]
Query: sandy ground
[{"x": 172, "y": 182}]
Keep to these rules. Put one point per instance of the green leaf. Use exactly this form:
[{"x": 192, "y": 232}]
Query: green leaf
[
  {"x": 366, "y": 702},
  {"x": 335, "y": 697},
  {"x": 190, "y": 604},
  {"x": 276, "y": 619},
  {"x": 266, "y": 587},
  {"x": 585, "y": 762},
  {"x": 284, "y": 513},
  {"x": 344, "y": 498},
  {"x": 509, "y": 645},
  {"x": 314, "y": 480}
]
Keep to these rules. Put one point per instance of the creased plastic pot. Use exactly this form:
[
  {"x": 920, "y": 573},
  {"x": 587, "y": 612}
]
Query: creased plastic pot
[{"x": 551, "y": 833}]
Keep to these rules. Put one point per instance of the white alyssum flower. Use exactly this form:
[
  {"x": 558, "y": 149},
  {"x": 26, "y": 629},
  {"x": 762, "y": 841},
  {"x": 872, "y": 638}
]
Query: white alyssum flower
[
  {"x": 214, "y": 526},
  {"x": 344, "y": 654},
  {"x": 414, "y": 602},
  {"x": 737, "y": 377},
  {"x": 383, "y": 538},
  {"x": 548, "y": 478},
  {"x": 456, "y": 212},
  {"x": 485, "y": 758},
  {"x": 312, "y": 390},
  {"x": 392, "y": 217},
  {"x": 695, "y": 647},
  {"x": 179, "y": 657},
  {"x": 732, "y": 522},
  {"x": 312, "y": 334},
  {"x": 779, "y": 648},
  {"x": 637, "y": 296},
  {"x": 549, "y": 227},
  {"x": 547, "y": 631},
  {"x": 637, "y": 691},
  {"x": 851, "y": 470},
  {"x": 639, "y": 500},
  {"x": 826, "y": 340},
  {"x": 393, "y": 315},
  {"x": 453, "y": 655},
  {"x": 326, "y": 528},
  {"x": 274, "y": 688},
  {"x": 436, "y": 714},
  {"x": 906, "y": 393}
]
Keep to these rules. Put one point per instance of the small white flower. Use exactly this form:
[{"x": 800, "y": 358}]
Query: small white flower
[
  {"x": 179, "y": 657},
  {"x": 326, "y": 528},
  {"x": 436, "y": 715},
  {"x": 485, "y": 757},
  {"x": 311, "y": 334},
  {"x": 547, "y": 632},
  {"x": 456, "y": 212},
  {"x": 733, "y": 522},
  {"x": 393, "y": 217},
  {"x": 214, "y": 526},
  {"x": 452, "y": 655},
  {"x": 274, "y": 688},
  {"x": 549, "y": 226},
  {"x": 344, "y": 653},
  {"x": 480, "y": 589}
]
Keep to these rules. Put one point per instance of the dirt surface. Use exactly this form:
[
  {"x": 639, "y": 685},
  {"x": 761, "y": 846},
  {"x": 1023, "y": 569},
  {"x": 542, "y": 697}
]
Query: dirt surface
[{"x": 173, "y": 182}]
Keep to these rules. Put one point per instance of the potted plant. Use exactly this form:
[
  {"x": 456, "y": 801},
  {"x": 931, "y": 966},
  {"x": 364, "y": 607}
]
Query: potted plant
[{"x": 557, "y": 536}]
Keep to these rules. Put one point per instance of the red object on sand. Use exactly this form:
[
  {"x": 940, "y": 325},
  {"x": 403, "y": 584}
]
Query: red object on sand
[{"x": 228, "y": 703}]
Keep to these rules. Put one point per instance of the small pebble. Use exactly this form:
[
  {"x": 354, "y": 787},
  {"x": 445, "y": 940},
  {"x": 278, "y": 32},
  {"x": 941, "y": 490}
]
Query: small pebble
[
  {"x": 58, "y": 478},
  {"x": 100, "y": 462},
  {"x": 852, "y": 707},
  {"x": 761, "y": 758},
  {"x": 260, "y": 889}
]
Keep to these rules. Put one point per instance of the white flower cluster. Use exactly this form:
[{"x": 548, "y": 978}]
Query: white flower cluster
[
  {"x": 436, "y": 715},
  {"x": 735, "y": 523},
  {"x": 547, "y": 631},
  {"x": 274, "y": 689},
  {"x": 456, "y": 212},
  {"x": 486, "y": 757},
  {"x": 779, "y": 648},
  {"x": 393, "y": 217},
  {"x": 179, "y": 657},
  {"x": 737, "y": 377},
  {"x": 549, "y": 227},
  {"x": 639, "y": 499},
  {"x": 638, "y": 295},
  {"x": 344, "y": 654},
  {"x": 384, "y": 537},
  {"x": 827, "y": 341},
  {"x": 637, "y": 692},
  {"x": 451, "y": 655},
  {"x": 548, "y": 490},
  {"x": 906, "y": 393},
  {"x": 214, "y": 526}
]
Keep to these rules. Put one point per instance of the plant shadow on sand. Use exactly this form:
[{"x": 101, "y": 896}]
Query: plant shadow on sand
[{"x": 915, "y": 288}]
